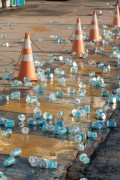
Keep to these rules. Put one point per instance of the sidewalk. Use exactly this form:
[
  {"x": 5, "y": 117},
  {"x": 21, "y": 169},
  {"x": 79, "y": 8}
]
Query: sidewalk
[{"x": 15, "y": 9}]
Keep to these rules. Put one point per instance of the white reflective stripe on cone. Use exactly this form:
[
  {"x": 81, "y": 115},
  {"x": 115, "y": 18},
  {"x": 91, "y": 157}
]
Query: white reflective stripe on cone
[
  {"x": 94, "y": 27},
  {"x": 27, "y": 57},
  {"x": 78, "y": 27},
  {"x": 116, "y": 16},
  {"x": 94, "y": 18},
  {"x": 78, "y": 37},
  {"x": 27, "y": 43}
]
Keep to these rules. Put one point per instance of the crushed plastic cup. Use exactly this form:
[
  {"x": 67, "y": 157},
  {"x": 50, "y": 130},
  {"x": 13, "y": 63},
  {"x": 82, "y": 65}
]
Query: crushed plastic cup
[
  {"x": 21, "y": 117},
  {"x": 36, "y": 87},
  {"x": 36, "y": 64},
  {"x": 92, "y": 74},
  {"x": 3, "y": 36},
  {"x": 41, "y": 63},
  {"x": 100, "y": 65},
  {"x": 25, "y": 130},
  {"x": 92, "y": 134},
  {"x": 47, "y": 116},
  {"x": 105, "y": 70},
  {"x": 73, "y": 112},
  {"x": 111, "y": 124},
  {"x": 60, "y": 58},
  {"x": 36, "y": 109},
  {"x": 74, "y": 69},
  {"x": 9, "y": 123},
  {"x": 9, "y": 161},
  {"x": 16, "y": 152},
  {"x": 21, "y": 124},
  {"x": 52, "y": 164},
  {"x": 77, "y": 102},
  {"x": 35, "y": 57},
  {"x": 60, "y": 123},
  {"x": 75, "y": 129},
  {"x": 37, "y": 115},
  {"x": 33, "y": 160},
  {"x": 7, "y": 132},
  {"x": 82, "y": 85},
  {"x": 31, "y": 99},
  {"x": 7, "y": 77},
  {"x": 57, "y": 130},
  {"x": 83, "y": 136},
  {"x": 80, "y": 147},
  {"x": 28, "y": 84},
  {"x": 59, "y": 93},
  {"x": 51, "y": 128},
  {"x": 69, "y": 61},
  {"x": 98, "y": 125},
  {"x": 60, "y": 114},
  {"x": 112, "y": 99},
  {"x": 40, "y": 121},
  {"x": 26, "y": 79},
  {"x": 45, "y": 127},
  {"x": 15, "y": 95},
  {"x": 16, "y": 83},
  {"x": 43, "y": 163},
  {"x": 101, "y": 115},
  {"x": 60, "y": 130},
  {"x": 81, "y": 93},
  {"x": 87, "y": 109},
  {"x": 71, "y": 90},
  {"x": 84, "y": 158},
  {"x": 32, "y": 121},
  {"x": 73, "y": 53},
  {"x": 104, "y": 93},
  {"x": 2, "y": 177},
  {"x": 52, "y": 98},
  {"x": 62, "y": 81},
  {"x": 4, "y": 97},
  {"x": 78, "y": 138},
  {"x": 75, "y": 64},
  {"x": 2, "y": 121},
  {"x": 6, "y": 44},
  {"x": 6, "y": 70},
  {"x": 78, "y": 114}
]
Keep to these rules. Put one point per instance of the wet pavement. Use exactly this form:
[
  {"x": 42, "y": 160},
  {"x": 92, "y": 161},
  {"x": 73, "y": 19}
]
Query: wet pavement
[{"x": 41, "y": 24}]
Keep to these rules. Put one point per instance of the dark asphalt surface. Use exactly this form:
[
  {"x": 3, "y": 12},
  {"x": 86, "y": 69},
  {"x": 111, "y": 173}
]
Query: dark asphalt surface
[{"x": 105, "y": 161}]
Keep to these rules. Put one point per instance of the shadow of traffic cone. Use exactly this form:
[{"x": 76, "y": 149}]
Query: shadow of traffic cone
[
  {"x": 27, "y": 68},
  {"x": 116, "y": 18},
  {"x": 94, "y": 34},
  {"x": 78, "y": 44}
]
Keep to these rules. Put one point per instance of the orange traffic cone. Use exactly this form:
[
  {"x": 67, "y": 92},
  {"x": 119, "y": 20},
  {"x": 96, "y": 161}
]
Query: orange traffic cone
[
  {"x": 94, "y": 31},
  {"x": 118, "y": 2},
  {"x": 27, "y": 68},
  {"x": 116, "y": 18},
  {"x": 78, "y": 44}
]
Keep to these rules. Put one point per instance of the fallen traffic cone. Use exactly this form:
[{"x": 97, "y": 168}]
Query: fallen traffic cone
[
  {"x": 78, "y": 44},
  {"x": 27, "y": 68},
  {"x": 94, "y": 31},
  {"x": 116, "y": 18}
]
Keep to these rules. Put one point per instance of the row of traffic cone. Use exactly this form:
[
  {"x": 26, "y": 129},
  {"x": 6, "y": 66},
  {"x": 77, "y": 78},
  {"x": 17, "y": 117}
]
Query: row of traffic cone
[
  {"x": 78, "y": 44},
  {"x": 27, "y": 65},
  {"x": 94, "y": 35}
]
